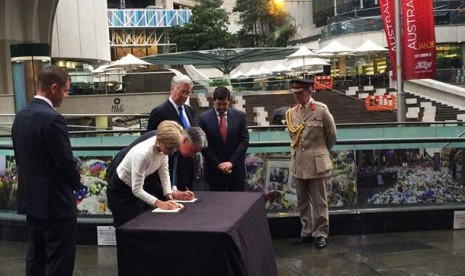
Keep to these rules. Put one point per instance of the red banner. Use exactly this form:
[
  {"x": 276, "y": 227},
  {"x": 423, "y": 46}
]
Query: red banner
[
  {"x": 418, "y": 40},
  {"x": 388, "y": 16}
]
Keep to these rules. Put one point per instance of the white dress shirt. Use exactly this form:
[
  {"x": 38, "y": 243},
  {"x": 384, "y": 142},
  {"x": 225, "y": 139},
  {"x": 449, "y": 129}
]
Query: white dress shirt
[
  {"x": 225, "y": 118},
  {"x": 183, "y": 111},
  {"x": 143, "y": 160},
  {"x": 45, "y": 99}
]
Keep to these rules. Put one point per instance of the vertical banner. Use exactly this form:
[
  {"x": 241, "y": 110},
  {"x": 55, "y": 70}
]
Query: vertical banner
[
  {"x": 418, "y": 40},
  {"x": 388, "y": 17}
]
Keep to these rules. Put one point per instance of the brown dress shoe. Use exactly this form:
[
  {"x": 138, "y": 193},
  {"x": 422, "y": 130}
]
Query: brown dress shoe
[{"x": 303, "y": 240}]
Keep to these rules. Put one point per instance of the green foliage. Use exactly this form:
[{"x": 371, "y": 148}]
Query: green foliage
[
  {"x": 281, "y": 37},
  {"x": 259, "y": 19},
  {"x": 218, "y": 82},
  {"x": 206, "y": 30}
]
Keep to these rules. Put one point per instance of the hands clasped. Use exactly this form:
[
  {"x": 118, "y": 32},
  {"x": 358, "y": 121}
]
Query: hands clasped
[{"x": 225, "y": 167}]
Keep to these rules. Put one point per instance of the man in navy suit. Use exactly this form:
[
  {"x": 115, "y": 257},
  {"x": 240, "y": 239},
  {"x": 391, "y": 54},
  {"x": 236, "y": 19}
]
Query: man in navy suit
[
  {"x": 225, "y": 154},
  {"x": 47, "y": 174},
  {"x": 175, "y": 109}
]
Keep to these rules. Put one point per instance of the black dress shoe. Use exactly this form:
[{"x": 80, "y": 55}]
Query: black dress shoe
[
  {"x": 320, "y": 242},
  {"x": 303, "y": 240}
]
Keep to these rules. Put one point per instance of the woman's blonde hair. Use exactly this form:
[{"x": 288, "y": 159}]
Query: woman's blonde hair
[{"x": 170, "y": 134}]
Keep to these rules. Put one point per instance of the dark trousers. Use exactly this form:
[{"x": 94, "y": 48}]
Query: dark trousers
[
  {"x": 124, "y": 205},
  {"x": 52, "y": 247}
]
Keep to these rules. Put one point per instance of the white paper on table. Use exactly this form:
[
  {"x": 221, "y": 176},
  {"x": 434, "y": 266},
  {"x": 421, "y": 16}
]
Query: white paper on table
[
  {"x": 186, "y": 200},
  {"x": 159, "y": 210}
]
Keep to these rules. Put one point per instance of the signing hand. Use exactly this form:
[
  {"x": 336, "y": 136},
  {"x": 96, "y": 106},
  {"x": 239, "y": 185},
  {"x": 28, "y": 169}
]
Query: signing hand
[
  {"x": 186, "y": 195},
  {"x": 168, "y": 205}
]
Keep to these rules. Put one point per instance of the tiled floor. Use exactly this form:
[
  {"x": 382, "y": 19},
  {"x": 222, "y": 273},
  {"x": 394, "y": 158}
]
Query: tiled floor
[{"x": 408, "y": 253}]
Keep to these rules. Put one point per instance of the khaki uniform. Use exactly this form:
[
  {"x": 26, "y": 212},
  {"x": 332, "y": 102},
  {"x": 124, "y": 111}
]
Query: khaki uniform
[{"x": 312, "y": 165}]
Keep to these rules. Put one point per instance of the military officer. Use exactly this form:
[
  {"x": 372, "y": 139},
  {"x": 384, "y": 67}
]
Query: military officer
[{"x": 313, "y": 134}]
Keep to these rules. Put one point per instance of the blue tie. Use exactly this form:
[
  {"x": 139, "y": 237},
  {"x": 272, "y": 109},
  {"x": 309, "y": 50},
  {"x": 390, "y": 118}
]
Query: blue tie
[{"x": 184, "y": 120}]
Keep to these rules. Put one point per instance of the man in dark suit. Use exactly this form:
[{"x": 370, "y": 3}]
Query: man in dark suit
[
  {"x": 181, "y": 168},
  {"x": 228, "y": 140},
  {"x": 121, "y": 195},
  {"x": 48, "y": 174}
]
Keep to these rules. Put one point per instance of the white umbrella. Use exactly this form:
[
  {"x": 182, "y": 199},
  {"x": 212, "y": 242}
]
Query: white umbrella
[
  {"x": 101, "y": 69},
  {"x": 316, "y": 61},
  {"x": 128, "y": 62},
  {"x": 279, "y": 68},
  {"x": 370, "y": 46},
  {"x": 302, "y": 53},
  {"x": 263, "y": 71},
  {"x": 310, "y": 62},
  {"x": 335, "y": 48},
  {"x": 252, "y": 72},
  {"x": 237, "y": 74}
]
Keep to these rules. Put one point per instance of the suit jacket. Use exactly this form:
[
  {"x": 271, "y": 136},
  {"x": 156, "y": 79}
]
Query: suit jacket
[
  {"x": 47, "y": 170},
  {"x": 185, "y": 165},
  {"x": 311, "y": 158},
  {"x": 234, "y": 150}
]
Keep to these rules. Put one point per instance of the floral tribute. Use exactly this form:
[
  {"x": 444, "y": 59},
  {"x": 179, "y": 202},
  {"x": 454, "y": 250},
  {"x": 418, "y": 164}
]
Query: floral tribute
[
  {"x": 8, "y": 190},
  {"x": 91, "y": 197},
  {"x": 282, "y": 198}
]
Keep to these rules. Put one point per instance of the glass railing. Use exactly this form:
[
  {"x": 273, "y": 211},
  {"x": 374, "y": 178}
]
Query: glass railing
[
  {"x": 387, "y": 168},
  {"x": 352, "y": 24}
]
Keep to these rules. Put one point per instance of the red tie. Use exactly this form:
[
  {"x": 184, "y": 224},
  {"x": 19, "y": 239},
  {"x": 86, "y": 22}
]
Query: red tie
[{"x": 222, "y": 127}]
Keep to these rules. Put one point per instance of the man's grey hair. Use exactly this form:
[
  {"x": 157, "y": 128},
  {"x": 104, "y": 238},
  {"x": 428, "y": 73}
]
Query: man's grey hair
[
  {"x": 197, "y": 137},
  {"x": 176, "y": 80}
]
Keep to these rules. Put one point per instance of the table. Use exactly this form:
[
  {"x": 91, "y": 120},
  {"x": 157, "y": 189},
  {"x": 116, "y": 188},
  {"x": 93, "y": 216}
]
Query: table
[{"x": 225, "y": 233}]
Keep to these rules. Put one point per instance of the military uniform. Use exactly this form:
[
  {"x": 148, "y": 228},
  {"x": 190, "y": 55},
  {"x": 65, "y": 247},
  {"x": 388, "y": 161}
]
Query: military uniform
[{"x": 313, "y": 134}]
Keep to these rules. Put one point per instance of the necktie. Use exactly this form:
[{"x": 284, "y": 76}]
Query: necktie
[
  {"x": 223, "y": 127},
  {"x": 184, "y": 120},
  {"x": 302, "y": 108}
]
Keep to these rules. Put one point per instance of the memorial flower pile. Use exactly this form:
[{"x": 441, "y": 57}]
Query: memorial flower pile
[
  {"x": 419, "y": 185},
  {"x": 8, "y": 191},
  {"x": 91, "y": 198}
]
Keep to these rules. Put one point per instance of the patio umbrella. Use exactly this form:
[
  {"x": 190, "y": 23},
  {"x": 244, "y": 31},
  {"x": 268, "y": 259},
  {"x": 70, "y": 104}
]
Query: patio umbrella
[
  {"x": 237, "y": 74},
  {"x": 334, "y": 49},
  {"x": 128, "y": 62},
  {"x": 370, "y": 48},
  {"x": 311, "y": 62},
  {"x": 280, "y": 68},
  {"x": 301, "y": 54},
  {"x": 252, "y": 72},
  {"x": 263, "y": 71}
]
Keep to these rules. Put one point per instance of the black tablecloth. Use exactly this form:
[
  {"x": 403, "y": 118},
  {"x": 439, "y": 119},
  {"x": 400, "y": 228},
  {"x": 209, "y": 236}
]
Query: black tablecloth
[{"x": 225, "y": 233}]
